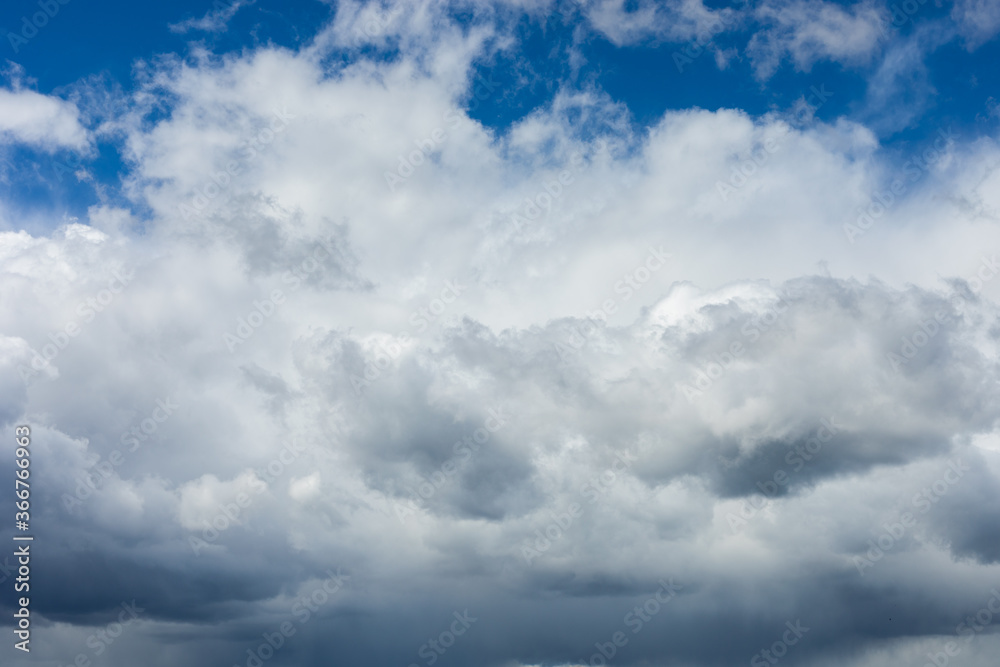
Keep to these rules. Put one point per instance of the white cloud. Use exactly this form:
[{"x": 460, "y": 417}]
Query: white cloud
[
  {"x": 900, "y": 89},
  {"x": 807, "y": 31},
  {"x": 978, "y": 20},
  {"x": 40, "y": 120},
  {"x": 305, "y": 488},
  {"x": 752, "y": 213},
  {"x": 213, "y": 21},
  {"x": 674, "y": 20},
  {"x": 206, "y": 498}
]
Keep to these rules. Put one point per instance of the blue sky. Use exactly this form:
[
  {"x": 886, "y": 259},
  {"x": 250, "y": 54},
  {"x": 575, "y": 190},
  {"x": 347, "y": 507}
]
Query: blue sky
[{"x": 97, "y": 45}]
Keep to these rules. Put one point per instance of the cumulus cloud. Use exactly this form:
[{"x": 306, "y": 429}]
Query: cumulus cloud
[
  {"x": 44, "y": 121},
  {"x": 528, "y": 377}
]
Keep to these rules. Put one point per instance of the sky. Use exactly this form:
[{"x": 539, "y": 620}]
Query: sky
[{"x": 503, "y": 333}]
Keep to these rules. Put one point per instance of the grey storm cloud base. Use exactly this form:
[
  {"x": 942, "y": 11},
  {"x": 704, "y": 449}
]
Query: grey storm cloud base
[{"x": 612, "y": 458}]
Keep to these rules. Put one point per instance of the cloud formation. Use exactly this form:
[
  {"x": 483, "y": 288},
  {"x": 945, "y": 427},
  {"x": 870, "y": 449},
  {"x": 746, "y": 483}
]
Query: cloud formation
[
  {"x": 807, "y": 31},
  {"x": 695, "y": 386},
  {"x": 44, "y": 121}
]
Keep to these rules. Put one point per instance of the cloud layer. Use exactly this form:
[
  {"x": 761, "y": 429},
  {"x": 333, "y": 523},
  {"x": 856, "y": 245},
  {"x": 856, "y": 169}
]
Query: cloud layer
[{"x": 369, "y": 377}]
